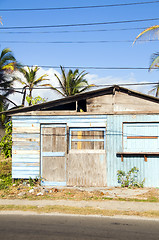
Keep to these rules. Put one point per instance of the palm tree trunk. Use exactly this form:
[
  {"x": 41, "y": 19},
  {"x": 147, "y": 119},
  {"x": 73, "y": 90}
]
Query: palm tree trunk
[
  {"x": 30, "y": 96},
  {"x": 24, "y": 95}
]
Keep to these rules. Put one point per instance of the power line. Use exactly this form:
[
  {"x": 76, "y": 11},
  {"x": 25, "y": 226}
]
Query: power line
[
  {"x": 78, "y": 7},
  {"x": 91, "y": 67},
  {"x": 99, "y": 85},
  {"x": 72, "y": 31},
  {"x": 83, "y": 24},
  {"x": 79, "y": 42}
]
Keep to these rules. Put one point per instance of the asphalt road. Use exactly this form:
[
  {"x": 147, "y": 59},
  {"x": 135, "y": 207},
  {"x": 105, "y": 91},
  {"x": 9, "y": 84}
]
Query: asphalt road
[{"x": 45, "y": 227}]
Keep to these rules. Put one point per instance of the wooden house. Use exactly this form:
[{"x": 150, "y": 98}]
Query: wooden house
[{"x": 83, "y": 140}]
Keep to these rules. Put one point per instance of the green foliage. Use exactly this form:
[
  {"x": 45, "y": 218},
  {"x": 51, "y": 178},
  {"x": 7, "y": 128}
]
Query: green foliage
[
  {"x": 129, "y": 179},
  {"x": 3, "y": 107},
  {"x": 33, "y": 182},
  {"x": 27, "y": 182},
  {"x": 35, "y": 100},
  {"x": 31, "y": 80},
  {"x": 72, "y": 82},
  {"x": 5, "y": 174},
  {"x": 7, "y": 65},
  {"x": 6, "y": 142}
]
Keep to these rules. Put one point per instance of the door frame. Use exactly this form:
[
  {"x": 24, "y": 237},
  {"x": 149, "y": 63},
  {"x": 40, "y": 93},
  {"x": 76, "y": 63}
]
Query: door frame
[
  {"x": 57, "y": 154},
  {"x": 101, "y": 152}
]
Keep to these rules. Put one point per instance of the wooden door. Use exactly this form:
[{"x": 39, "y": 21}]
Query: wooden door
[
  {"x": 53, "y": 154},
  {"x": 87, "y": 157}
]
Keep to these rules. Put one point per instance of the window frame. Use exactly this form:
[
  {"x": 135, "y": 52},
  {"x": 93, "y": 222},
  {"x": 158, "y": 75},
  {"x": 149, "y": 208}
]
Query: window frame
[
  {"x": 137, "y": 137},
  {"x": 102, "y": 129}
]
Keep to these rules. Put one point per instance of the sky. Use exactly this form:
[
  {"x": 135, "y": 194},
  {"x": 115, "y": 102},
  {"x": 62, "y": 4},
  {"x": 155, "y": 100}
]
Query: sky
[{"x": 116, "y": 52}]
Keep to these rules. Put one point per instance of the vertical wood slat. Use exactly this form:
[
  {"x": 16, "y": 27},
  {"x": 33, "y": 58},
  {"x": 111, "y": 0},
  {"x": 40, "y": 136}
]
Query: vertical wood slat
[
  {"x": 79, "y": 145},
  {"x": 54, "y": 146},
  {"x": 87, "y": 169}
]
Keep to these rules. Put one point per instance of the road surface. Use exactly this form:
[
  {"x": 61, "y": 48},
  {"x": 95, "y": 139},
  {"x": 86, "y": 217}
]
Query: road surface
[{"x": 37, "y": 227}]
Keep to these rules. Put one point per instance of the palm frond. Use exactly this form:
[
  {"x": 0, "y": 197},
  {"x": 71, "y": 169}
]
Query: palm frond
[
  {"x": 149, "y": 33},
  {"x": 9, "y": 67},
  {"x": 61, "y": 84},
  {"x": 21, "y": 81},
  {"x": 64, "y": 78},
  {"x": 155, "y": 90},
  {"x": 40, "y": 79},
  {"x": 154, "y": 61},
  {"x": 5, "y": 51},
  {"x": 73, "y": 82},
  {"x": 53, "y": 88},
  {"x": 5, "y": 98}
]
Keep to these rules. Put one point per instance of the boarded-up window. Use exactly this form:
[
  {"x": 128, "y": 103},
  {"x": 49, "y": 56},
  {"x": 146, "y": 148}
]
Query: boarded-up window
[
  {"x": 52, "y": 139},
  {"x": 141, "y": 137},
  {"x": 87, "y": 138}
]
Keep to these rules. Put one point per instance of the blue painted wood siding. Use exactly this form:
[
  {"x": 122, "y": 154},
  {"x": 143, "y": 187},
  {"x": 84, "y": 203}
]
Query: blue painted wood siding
[
  {"x": 26, "y": 140},
  {"x": 25, "y": 150},
  {"x": 140, "y": 137},
  {"x": 26, "y": 163},
  {"x": 115, "y": 143}
]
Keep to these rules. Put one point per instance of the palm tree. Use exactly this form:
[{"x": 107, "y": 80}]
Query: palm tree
[
  {"x": 151, "y": 33},
  {"x": 31, "y": 80},
  {"x": 7, "y": 65},
  {"x": 72, "y": 83},
  {"x": 3, "y": 107}
]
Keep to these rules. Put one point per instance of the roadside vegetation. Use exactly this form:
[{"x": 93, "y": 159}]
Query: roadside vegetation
[
  {"x": 30, "y": 189},
  {"x": 5, "y": 174},
  {"x": 130, "y": 179},
  {"x": 77, "y": 210}
]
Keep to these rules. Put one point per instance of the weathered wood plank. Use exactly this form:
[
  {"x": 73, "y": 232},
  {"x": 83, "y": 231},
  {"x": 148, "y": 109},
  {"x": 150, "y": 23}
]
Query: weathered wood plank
[
  {"x": 29, "y": 152},
  {"x": 27, "y": 123},
  {"x": 125, "y": 102},
  {"x": 25, "y": 164},
  {"x": 26, "y": 129},
  {"x": 53, "y": 137},
  {"x": 26, "y": 168},
  {"x": 26, "y": 157},
  {"x": 100, "y": 104},
  {"x": 25, "y": 139},
  {"x": 53, "y": 169},
  {"x": 26, "y": 144},
  {"x": 26, "y": 135},
  {"x": 86, "y": 169},
  {"x": 18, "y": 174},
  {"x": 26, "y": 147}
]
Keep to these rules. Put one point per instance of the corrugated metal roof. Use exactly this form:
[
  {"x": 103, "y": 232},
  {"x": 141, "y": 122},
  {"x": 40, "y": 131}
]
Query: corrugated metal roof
[{"x": 82, "y": 96}]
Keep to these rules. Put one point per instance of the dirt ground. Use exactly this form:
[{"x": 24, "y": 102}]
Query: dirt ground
[
  {"x": 75, "y": 193},
  {"x": 31, "y": 190}
]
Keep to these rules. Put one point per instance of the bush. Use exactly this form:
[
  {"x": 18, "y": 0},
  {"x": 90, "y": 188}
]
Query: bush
[
  {"x": 6, "y": 142},
  {"x": 5, "y": 174},
  {"x": 129, "y": 179},
  {"x": 35, "y": 100}
]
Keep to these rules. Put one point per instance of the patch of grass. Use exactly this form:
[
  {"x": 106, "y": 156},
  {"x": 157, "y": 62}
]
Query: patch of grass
[
  {"x": 5, "y": 174},
  {"x": 76, "y": 210}
]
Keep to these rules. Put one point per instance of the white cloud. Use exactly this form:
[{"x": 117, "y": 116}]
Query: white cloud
[
  {"x": 44, "y": 93},
  {"x": 100, "y": 82},
  {"x": 124, "y": 81}
]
